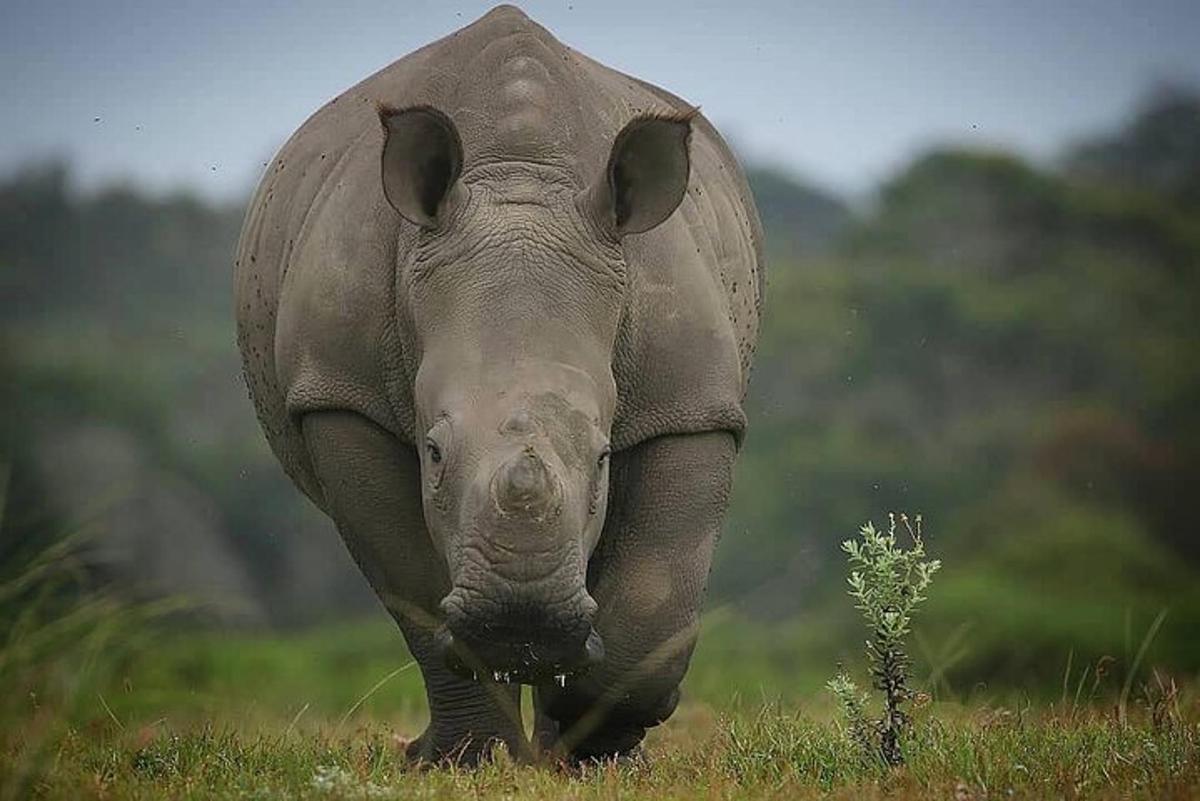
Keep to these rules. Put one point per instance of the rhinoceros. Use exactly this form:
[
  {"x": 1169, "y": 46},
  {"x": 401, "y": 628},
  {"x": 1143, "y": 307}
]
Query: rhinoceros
[{"x": 497, "y": 305}]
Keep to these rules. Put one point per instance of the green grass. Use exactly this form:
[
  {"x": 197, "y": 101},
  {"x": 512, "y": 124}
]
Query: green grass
[
  {"x": 101, "y": 699},
  {"x": 221, "y": 715},
  {"x": 772, "y": 754},
  {"x": 198, "y": 676}
]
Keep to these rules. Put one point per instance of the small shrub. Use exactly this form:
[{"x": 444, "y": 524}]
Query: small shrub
[{"x": 888, "y": 582}]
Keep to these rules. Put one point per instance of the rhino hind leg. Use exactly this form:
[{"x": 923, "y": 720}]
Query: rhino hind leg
[
  {"x": 648, "y": 575},
  {"x": 371, "y": 487}
]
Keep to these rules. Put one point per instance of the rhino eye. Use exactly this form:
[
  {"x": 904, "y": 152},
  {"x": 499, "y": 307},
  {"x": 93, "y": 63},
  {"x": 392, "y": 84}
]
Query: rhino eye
[
  {"x": 604, "y": 455},
  {"x": 437, "y": 444}
]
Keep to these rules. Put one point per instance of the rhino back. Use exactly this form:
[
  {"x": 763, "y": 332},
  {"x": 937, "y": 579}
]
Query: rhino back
[{"x": 315, "y": 270}]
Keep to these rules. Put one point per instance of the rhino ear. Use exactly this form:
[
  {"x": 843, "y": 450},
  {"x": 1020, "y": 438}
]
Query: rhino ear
[
  {"x": 647, "y": 173},
  {"x": 421, "y": 161}
]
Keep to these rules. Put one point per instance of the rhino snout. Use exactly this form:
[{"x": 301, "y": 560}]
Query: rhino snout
[{"x": 518, "y": 643}]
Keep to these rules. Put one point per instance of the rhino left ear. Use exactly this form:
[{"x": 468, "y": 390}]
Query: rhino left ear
[
  {"x": 421, "y": 162},
  {"x": 647, "y": 173}
]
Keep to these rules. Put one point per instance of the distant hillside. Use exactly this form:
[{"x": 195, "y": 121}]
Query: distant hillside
[
  {"x": 1157, "y": 151},
  {"x": 800, "y": 220},
  {"x": 1009, "y": 350}
]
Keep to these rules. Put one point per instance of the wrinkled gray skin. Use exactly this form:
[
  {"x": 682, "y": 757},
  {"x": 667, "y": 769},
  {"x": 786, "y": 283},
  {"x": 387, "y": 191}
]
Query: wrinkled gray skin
[{"x": 496, "y": 306}]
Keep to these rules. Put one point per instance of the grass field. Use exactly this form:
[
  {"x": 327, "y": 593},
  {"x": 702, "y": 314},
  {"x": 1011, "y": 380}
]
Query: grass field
[
  {"x": 776, "y": 754},
  {"x": 305, "y": 715}
]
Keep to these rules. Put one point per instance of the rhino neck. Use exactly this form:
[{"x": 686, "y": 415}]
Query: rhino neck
[{"x": 517, "y": 181}]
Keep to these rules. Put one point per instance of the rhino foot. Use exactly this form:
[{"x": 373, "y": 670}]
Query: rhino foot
[
  {"x": 587, "y": 733},
  {"x": 431, "y": 750}
]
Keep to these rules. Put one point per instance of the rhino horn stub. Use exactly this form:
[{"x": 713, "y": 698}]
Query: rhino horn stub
[{"x": 525, "y": 486}]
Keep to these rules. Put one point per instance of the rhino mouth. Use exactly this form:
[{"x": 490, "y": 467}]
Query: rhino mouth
[{"x": 517, "y": 662}]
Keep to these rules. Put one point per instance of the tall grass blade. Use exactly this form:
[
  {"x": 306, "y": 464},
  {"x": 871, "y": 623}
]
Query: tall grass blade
[
  {"x": 373, "y": 690},
  {"x": 1151, "y": 633}
]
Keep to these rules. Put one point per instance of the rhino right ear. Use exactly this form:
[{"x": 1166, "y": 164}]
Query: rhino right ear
[
  {"x": 421, "y": 162},
  {"x": 647, "y": 174}
]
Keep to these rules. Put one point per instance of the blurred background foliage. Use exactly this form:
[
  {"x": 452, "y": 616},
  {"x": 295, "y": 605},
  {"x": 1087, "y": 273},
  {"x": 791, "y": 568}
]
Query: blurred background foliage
[{"x": 1008, "y": 347}]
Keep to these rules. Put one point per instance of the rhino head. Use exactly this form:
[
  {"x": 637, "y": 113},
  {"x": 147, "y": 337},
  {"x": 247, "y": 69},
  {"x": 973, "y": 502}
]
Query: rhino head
[{"x": 513, "y": 294}]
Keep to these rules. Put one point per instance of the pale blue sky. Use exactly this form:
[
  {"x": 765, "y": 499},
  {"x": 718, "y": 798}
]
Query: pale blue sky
[{"x": 198, "y": 94}]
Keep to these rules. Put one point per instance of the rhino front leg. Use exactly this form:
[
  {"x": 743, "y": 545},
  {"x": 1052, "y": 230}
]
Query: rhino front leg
[
  {"x": 371, "y": 484},
  {"x": 648, "y": 575},
  {"x": 466, "y": 718}
]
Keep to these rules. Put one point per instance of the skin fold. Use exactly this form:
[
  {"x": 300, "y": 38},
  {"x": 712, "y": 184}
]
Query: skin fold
[{"x": 497, "y": 306}]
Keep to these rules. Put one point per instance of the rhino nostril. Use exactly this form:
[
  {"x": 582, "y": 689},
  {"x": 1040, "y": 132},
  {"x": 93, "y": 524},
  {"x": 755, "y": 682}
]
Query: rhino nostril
[
  {"x": 593, "y": 649},
  {"x": 452, "y": 606},
  {"x": 445, "y": 645},
  {"x": 443, "y": 640}
]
